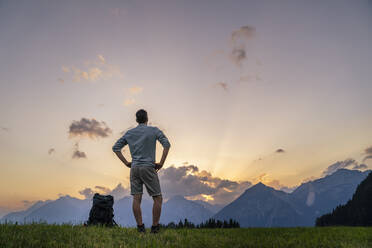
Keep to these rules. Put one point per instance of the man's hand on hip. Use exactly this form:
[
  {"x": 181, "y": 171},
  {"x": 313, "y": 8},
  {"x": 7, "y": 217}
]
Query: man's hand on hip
[
  {"x": 158, "y": 166},
  {"x": 128, "y": 164},
  {"x": 122, "y": 158}
]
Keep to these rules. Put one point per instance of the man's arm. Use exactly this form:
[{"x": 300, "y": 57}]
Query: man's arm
[
  {"x": 122, "y": 158},
  {"x": 166, "y": 146},
  {"x": 117, "y": 150},
  {"x": 159, "y": 165}
]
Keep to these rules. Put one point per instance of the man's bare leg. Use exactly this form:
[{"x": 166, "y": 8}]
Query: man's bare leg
[
  {"x": 137, "y": 208},
  {"x": 156, "y": 209}
]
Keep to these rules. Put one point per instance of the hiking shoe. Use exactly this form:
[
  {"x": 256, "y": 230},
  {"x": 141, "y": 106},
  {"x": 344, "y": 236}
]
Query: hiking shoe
[
  {"x": 155, "y": 229},
  {"x": 141, "y": 228}
]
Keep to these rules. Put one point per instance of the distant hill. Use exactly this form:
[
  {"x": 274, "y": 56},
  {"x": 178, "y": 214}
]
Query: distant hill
[
  {"x": 175, "y": 209},
  {"x": 20, "y": 216},
  {"x": 124, "y": 214},
  {"x": 356, "y": 212},
  {"x": 4, "y": 211},
  {"x": 214, "y": 208},
  {"x": 68, "y": 209},
  {"x": 178, "y": 208},
  {"x": 322, "y": 195},
  {"x": 263, "y": 206},
  {"x": 65, "y": 209}
]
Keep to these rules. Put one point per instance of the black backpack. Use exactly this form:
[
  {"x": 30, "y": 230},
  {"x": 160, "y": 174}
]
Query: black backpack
[{"x": 102, "y": 211}]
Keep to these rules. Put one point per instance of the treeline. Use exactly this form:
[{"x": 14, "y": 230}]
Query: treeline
[
  {"x": 210, "y": 223},
  {"x": 356, "y": 212}
]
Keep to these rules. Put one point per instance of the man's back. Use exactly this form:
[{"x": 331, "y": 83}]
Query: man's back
[{"x": 142, "y": 144}]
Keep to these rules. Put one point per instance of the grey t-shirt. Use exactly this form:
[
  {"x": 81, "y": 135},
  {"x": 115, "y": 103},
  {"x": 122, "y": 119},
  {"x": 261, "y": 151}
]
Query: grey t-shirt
[{"x": 142, "y": 144}]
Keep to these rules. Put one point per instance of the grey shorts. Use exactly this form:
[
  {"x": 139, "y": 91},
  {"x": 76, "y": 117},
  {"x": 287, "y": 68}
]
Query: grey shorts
[{"x": 147, "y": 175}]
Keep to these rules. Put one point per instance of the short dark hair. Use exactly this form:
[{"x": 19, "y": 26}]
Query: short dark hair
[{"x": 141, "y": 116}]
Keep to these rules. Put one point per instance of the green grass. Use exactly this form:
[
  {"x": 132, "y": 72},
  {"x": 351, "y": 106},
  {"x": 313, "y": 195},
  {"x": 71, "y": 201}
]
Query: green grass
[{"x": 43, "y": 235}]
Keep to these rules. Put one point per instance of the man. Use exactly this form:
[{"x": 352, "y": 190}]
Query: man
[{"x": 143, "y": 169}]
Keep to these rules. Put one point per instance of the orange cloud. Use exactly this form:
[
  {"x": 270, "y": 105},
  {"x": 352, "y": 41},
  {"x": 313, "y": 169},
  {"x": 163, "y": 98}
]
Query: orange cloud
[
  {"x": 92, "y": 71},
  {"x": 135, "y": 90}
]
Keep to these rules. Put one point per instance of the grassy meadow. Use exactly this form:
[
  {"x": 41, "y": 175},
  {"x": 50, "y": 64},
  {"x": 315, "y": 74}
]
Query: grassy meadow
[{"x": 43, "y": 235}]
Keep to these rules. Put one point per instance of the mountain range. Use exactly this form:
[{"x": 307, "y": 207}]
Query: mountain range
[
  {"x": 259, "y": 205},
  {"x": 263, "y": 206},
  {"x": 72, "y": 210},
  {"x": 356, "y": 212}
]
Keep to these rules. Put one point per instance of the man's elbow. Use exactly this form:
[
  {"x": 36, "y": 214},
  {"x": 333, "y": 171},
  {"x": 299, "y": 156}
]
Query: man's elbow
[{"x": 115, "y": 149}]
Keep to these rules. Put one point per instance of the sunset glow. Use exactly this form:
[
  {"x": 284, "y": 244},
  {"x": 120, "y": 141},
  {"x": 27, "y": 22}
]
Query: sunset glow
[{"x": 246, "y": 92}]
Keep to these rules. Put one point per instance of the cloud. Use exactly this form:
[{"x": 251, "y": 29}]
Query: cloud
[
  {"x": 368, "y": 150},
  {"x": 368, "y": 153},
  {"x": 238, "y": 54},
  {"x": 188, "y": 181},
  {"x": 135, "y": 90},
  {"x": 103, "y": 190},
  {"x": 268, "y": 156},
  {"x": 360, "y": 167},
  {"x": 92, "y": 71},
  {"x": 92, "y": 74},
  {"x": 239, "y": 40},
  {"x": 343, "y": 164},
  {"x": 131, "y": 94},
  {"x": 5, "y": 129},
  {"x": 367, "y": 157},
  {"x": 276, "y": 184},
  {"x": 308, "y": 179},
  {"x": 90, "y": 128},
  {"x": 51, "y": 151},
  {"x": 101, "y": 58},
  {"x": 279, "y": 186},
  {"x": 27, "y": 203},
  {"x": 118, "y": 192},
  {"x": 245, "y": 78},
  {"x": 350, "y": 162},
  {"x": 280, "y": 150},
  {"x": 260, "y": 178},
  {"x": 241, "y": 55},
  {"x": 87, "y": 193},
  {"x": 77, "y": 154},
  {"x": 223, "y": 85},
  {"x": 257, "y": 160},
  {"x": 243, "y": 33},
  {"x": 250, "y": 78},
  {"x": 65, "y": 69},
  {"x": 63, "y": 195},
  {"x": 129, "y": 101}
]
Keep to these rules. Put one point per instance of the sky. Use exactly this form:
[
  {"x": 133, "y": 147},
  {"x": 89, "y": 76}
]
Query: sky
[{"x": 246, "y": 91}]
